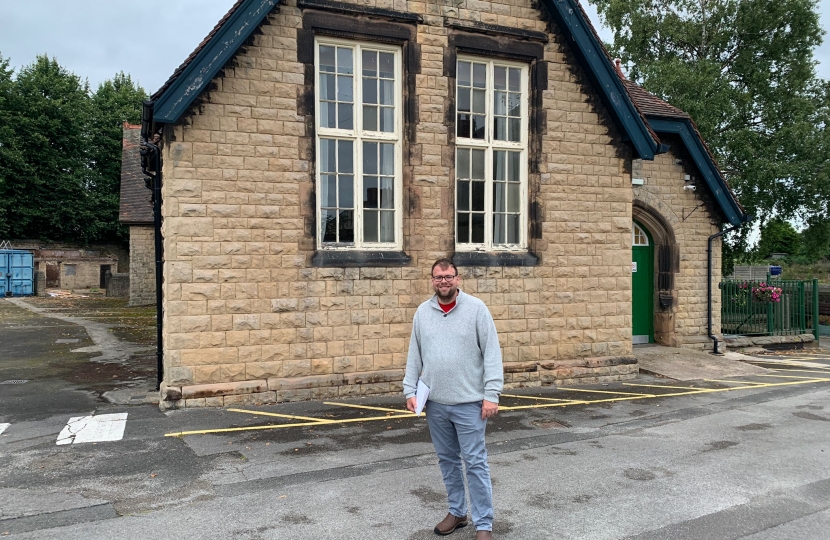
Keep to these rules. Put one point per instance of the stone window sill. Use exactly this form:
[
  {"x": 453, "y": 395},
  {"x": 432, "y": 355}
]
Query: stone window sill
[
  {"x": 505, "y": 258},
  {"x": 354, "y": 259}
]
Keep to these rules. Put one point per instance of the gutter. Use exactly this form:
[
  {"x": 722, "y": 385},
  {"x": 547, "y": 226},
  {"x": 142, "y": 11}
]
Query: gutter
[{"x": 151, "y": 167}]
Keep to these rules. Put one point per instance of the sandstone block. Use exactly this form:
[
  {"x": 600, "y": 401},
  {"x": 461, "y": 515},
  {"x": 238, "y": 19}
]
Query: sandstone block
[{"x": 223, "y": 389}]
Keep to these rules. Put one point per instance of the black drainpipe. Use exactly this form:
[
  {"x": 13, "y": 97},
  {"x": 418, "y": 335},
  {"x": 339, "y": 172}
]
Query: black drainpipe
[
  {"x": 709, "y": 283},
  {"x": 151, "y": 167}
]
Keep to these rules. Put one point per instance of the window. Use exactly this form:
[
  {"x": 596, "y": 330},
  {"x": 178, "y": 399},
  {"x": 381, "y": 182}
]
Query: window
[
  {"x": 491, "y": 155},
  {"x": 359, "y": 129},
  {"x": 638, "y": 236}
]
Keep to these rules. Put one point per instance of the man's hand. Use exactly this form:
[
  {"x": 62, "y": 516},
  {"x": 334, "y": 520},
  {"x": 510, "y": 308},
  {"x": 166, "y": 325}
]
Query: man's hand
[
  {"x": 410, "y": 404},
  {"x": 488, "y": 409}
]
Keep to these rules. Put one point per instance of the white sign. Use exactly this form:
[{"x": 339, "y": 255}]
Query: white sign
[{"x": 633, "y": 266}]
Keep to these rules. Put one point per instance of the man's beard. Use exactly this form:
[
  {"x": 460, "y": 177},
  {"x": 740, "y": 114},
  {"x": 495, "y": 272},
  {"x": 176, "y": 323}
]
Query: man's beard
[{"x": 449, "y": 297}]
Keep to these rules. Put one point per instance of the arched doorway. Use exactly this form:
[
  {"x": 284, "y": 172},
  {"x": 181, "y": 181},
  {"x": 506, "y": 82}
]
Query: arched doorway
[{"x": 642, "y": 285}]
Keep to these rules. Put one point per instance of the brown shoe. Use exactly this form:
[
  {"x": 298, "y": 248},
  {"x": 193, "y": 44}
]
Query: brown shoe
[
  {"x": 450, "y": 524},
  {"x": 484, "y": 535}
]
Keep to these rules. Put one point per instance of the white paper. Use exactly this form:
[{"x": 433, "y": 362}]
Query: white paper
[{"x": 421, "y": 395}]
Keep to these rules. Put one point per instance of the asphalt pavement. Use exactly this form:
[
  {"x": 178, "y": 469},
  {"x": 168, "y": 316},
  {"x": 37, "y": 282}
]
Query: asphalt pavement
[{"x": 722, "y": 457}]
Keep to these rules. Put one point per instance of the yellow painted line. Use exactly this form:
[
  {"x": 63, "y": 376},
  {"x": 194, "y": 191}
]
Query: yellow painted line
[
  {"x": 280, "y": 426},
  {"x": 289, "y": 416},
  {"x": 366, "y": 407},
  {"x": 603, "y": 392},
  {"x": 791, "y": 376},
  {"x": 544, "y": 398},
  {"x": 548, "y": 405},
  {"x": 689, "y": 391},
  {"x": 795, "y": 364},
  {"x": 803, "y": 370},
  {"x": 692, "y": 388},
  {"x": 733, "y": 382}
]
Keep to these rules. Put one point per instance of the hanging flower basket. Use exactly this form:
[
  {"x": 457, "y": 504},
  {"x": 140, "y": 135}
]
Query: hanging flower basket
[{"x": 766, "y": 293}]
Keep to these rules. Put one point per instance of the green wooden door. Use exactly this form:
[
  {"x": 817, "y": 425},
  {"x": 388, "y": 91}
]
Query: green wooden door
[{"x": 642, "y": 285}]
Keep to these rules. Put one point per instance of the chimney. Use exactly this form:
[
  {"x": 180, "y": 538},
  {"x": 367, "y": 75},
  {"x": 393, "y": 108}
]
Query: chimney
[{"x": 617, "y": 62}]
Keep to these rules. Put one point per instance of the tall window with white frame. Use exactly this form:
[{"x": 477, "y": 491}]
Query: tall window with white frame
[
  {"x": 491, "y": 155},
  {"x": 358, "y": 111}
]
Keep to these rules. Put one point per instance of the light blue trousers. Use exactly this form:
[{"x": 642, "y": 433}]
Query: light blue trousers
[{"x": 457, "y": 432}]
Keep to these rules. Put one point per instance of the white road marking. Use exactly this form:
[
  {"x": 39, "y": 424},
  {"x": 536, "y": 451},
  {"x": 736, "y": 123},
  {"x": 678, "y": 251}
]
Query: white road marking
[
  {"x": 3, "y": 428},
  {"x": 87, "y": 429}
]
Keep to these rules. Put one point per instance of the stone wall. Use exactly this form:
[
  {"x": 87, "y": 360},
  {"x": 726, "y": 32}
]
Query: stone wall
[
  {"x": 80, "y": 274},
  {"x": 247, "y": 318},
  {"x": 142, "y": 265},
  {"x": 691, "y": 219},
  {"x": 118, "y": 285}
]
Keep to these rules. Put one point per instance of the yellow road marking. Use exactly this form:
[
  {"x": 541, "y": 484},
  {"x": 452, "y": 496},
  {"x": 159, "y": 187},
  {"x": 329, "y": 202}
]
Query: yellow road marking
[
  {"x": 804, "y": 370},
  {"x": 787, "y": 376},
  {"x": 289, "y": 416},
  {"x": 689, "y": 391},
  {"x": 795, "y": 364},
  {"x": 280, "y": 426},
  {"x": 548, "y": 405},
  {"x": 734, "y": 382},
  {"x": 366, "y": 407},
  {"x": 603, "y": 392},
  {"x": 544, "y": 398},
  {"x": 674, "y": 387}
]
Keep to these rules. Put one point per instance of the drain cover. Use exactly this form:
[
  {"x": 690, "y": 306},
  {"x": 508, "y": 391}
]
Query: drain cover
[
  {"x": 15, "y": 381},
  {"x": 67, "y": 340}
]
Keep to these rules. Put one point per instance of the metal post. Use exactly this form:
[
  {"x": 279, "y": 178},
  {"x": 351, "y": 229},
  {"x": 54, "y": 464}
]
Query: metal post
[{"x": 815, "y": 310}]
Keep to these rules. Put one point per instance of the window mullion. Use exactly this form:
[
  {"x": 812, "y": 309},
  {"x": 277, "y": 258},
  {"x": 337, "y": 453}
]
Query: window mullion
[{"x": 358, "y": 154}]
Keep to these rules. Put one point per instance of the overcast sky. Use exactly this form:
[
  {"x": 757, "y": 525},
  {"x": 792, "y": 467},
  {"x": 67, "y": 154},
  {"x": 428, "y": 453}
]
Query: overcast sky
[{"x": 96, "y": 39}]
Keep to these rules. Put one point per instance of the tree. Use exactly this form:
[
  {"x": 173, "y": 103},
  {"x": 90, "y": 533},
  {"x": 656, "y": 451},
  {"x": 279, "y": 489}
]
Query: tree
[
  {"x": 815, "y": 241},
  {"x": 744, "y": 71},
  {"x": 116, "y": 101},
  {"x": 46, "y": 195},
  {"x": 777, "y": 236},
  {"x": 11, "y": 160},
  {"x": 60, "y": 153}
]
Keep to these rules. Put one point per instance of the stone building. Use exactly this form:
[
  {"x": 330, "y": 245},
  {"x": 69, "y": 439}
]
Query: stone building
[
  {"x": 136, "y": 211},
  {"x": 320, "y": 155},
  {"x": 70, "y": 266}
]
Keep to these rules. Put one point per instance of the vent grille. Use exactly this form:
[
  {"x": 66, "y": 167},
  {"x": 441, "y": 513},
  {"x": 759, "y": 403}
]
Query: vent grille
[{"x": 15, "y": 381}]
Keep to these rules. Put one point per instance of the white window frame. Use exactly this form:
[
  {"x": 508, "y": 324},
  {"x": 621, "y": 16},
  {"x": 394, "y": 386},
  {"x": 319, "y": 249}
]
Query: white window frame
[
  {"x": 359, "y": 136},
  {"x": 489, "y": 144},
  {"x": 637, "y": 228}
]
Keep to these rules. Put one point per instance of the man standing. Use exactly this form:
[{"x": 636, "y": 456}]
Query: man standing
[{"x": 455, "y": 351}]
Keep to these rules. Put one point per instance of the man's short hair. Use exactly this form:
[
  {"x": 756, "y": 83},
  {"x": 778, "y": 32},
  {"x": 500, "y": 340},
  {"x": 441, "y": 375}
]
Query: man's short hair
[{"x": 443, "y": 262}]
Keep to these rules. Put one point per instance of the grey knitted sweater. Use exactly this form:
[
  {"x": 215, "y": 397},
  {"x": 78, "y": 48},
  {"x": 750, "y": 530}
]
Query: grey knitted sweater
[{"x": 456, "y": 354}]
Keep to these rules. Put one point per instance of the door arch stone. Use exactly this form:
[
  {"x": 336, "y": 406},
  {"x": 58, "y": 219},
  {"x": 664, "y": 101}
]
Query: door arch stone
[{"x": 666, "y": 265}]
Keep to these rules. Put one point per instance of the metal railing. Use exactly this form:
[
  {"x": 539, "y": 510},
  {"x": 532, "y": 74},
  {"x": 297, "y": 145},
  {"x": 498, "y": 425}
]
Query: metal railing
[{"x": 744, "y": 313}]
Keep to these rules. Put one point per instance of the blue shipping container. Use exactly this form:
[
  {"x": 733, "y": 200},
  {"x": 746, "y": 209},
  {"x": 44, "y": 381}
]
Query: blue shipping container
[{"x": 17, "y": 271}]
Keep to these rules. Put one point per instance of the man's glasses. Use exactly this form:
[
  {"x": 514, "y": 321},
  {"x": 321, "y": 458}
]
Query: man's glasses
[{"x": 439, "y": 279}]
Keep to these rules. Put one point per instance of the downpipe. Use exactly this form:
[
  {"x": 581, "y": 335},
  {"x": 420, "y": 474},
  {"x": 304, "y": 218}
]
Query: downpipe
[
  {"x": 715, "y": 349},
  {"x": 151, "y": 167}
]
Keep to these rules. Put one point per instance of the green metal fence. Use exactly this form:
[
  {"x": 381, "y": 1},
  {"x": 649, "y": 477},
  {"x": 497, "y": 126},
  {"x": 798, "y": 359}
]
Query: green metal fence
[{"x": 796, "y": 312}]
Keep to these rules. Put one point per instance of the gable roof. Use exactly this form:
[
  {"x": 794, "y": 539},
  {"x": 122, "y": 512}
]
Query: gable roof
[
  {"x": 639, "y": 114},
  {"x": 217, "y": 49},
  {"x": 597, "y": 63},
  {"x": 135, "y": 207},
  {"x": 221, "y": 44},
  {"x": 666, "y": 118}
]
